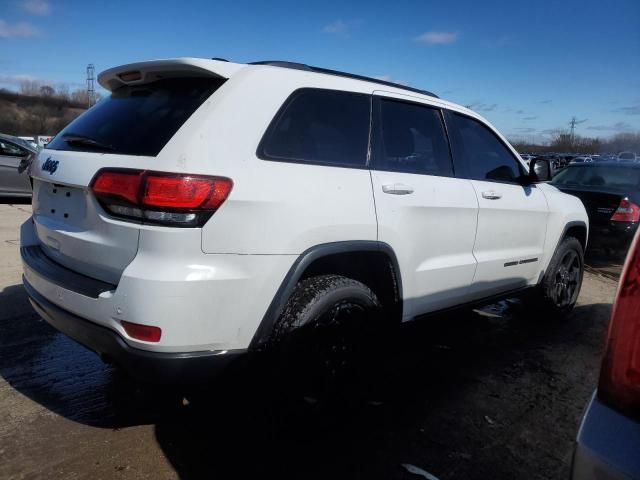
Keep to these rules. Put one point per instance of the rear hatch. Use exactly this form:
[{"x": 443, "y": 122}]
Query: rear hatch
[
  {"x": 128, "y": 129},
  {"x": 72, "y": 228}
]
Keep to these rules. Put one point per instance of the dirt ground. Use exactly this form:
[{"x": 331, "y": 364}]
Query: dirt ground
[{"x": 491, "y": 394}]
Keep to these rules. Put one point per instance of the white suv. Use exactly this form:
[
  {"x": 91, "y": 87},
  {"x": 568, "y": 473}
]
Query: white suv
[{"x": 207, "y": 209}]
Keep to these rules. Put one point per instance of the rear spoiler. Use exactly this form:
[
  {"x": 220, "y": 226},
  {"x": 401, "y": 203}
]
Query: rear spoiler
[{"x": 146, "y": 72}]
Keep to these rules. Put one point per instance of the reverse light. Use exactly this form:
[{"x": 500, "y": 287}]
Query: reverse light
[
  {"x": 619, "y": 385},
  {"x": 627, "y": 212},
  {"x": 146, "y": 333},
  {"x": 172, "y": 199}
]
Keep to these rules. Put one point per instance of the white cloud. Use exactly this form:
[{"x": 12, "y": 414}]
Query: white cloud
[
  {"x": 483, "y": 107},
  {"x": 37, "y": 7},
  {"x": 616, "y": 127},
  {"x": 437, "y": 38},
  {"x": 341, "y": 28},
  {"x": 630, "y": 110},
  {"x": 17, "y": 30},
  {"x": 552, "y": 131},
  {"x": 338, "y": 27},
  {"x": 16, "y": 79},
  {"x": 499, "y": 42}
]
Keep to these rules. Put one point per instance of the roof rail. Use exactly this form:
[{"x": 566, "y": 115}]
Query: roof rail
[
  {"x": 284, "y": 64},
  {"x": 326, "y": 71}
]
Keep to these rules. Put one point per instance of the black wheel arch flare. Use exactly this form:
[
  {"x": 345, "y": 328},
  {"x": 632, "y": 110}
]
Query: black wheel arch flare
[{"x": 300, "y": 266}]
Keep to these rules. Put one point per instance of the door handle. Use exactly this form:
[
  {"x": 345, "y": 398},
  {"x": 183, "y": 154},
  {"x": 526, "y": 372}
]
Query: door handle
[
  {"x": 491, "y": 195},
  {"x": 397, "y": 189}
]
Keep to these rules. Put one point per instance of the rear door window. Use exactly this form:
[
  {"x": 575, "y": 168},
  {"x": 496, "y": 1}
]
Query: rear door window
[
  {"x": 318, "y": 126},
  {"x": 137, "y": 120},
  {"x": 411, "y": 138}
]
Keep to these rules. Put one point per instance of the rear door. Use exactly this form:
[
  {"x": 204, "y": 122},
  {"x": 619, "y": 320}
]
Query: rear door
[
  {"x": 512, "y": 218},
  {"x": 11, "y": 180},
  {"x": 426, "y": 214},
  {"x": 126, "y": 130}
]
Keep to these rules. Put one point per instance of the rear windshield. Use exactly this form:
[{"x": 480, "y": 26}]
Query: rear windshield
[
  {"x": 136, "y": 120},
  {"x": 599, "y": 177}
]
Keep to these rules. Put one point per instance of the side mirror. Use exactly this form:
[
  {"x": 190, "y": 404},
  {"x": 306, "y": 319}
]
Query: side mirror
[
  {"x": 25, "y": 163},
  {"x": 540, "y": 170}
]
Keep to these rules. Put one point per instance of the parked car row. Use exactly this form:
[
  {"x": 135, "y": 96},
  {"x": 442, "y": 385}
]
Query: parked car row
[{"x": 561, "y": 160}]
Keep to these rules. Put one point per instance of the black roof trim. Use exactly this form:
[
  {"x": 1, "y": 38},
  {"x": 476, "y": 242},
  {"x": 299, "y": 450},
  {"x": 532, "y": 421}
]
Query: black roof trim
[{"x": 326, "y": 71}]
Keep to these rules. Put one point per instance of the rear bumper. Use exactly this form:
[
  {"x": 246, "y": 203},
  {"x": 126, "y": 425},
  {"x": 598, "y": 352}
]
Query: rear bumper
[
  {"x": 607, "y": 446},
  {"x": 155, "y": 367},
  {"x": 202, "y": 302},
  {"x": 617, "y": 235}
]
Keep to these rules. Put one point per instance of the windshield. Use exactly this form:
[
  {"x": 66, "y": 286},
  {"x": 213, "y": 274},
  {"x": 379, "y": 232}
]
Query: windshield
[
  {"x": 137, "y": 120},
  {"x": 599, "y": 177}
]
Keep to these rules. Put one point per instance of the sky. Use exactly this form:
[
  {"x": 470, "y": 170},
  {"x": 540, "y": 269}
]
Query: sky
[{"x": 528, "y": 67}]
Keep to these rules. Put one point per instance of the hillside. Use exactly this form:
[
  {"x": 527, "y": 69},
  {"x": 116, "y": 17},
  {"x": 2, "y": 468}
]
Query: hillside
[{"x": 36, "y": 114}]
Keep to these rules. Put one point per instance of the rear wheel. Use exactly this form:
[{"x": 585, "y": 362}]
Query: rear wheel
[
  {"x": 561, "y": 284},
  {"x": 327, "y": 334}
]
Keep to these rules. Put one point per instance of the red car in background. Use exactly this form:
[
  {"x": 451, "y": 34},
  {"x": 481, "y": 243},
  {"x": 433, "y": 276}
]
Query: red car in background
[{"x": 608, "y": 444}]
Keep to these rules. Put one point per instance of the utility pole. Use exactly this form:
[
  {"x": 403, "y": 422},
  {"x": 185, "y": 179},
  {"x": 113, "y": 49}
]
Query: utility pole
[
  {"x": 573, "y": 124},
  {"x": 91, "y": 90},
  {"x": 572, "y": 137}
]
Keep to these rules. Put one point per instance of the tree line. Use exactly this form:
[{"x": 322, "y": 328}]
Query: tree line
[
  {"x": 78, "y": 97},
  {"x": 565, "y": 142},
  {"x": 40, "y": 109}
]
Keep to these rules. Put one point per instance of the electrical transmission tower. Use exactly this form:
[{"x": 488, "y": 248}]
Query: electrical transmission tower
[
  {"x": 573, "y": 124},
  {"x": 91, "y": 90}
]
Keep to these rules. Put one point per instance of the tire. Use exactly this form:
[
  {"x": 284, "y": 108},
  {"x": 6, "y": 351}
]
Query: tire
[
  {"x": 560, "y": 286},
  {"x": 324, "y": 337}
]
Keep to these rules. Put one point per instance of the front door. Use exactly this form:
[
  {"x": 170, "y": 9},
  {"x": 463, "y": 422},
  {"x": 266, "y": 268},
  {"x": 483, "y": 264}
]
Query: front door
[{"x": 512, "y": 217}]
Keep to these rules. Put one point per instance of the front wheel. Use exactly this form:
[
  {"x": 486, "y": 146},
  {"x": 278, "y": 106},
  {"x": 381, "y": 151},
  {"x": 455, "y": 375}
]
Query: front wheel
[{"x": 561, "y": 284}]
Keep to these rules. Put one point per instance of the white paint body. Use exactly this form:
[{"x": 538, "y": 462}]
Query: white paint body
[{"x": 208, "y": 288}]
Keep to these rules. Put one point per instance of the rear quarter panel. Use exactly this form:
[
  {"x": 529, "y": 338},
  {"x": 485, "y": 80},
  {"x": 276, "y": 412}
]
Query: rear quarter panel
[{"x": 274, "y": 207}]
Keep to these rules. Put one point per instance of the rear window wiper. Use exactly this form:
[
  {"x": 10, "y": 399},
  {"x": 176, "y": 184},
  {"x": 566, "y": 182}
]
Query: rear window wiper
[{"x": 82, "y": 140}]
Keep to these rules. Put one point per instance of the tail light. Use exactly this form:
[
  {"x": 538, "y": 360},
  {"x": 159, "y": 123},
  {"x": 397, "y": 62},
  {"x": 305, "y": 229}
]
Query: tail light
[
  {"x": 627, "y": 212},
  {"x": 173, "y": 199},
  {"x": 620, "y": 374}
]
